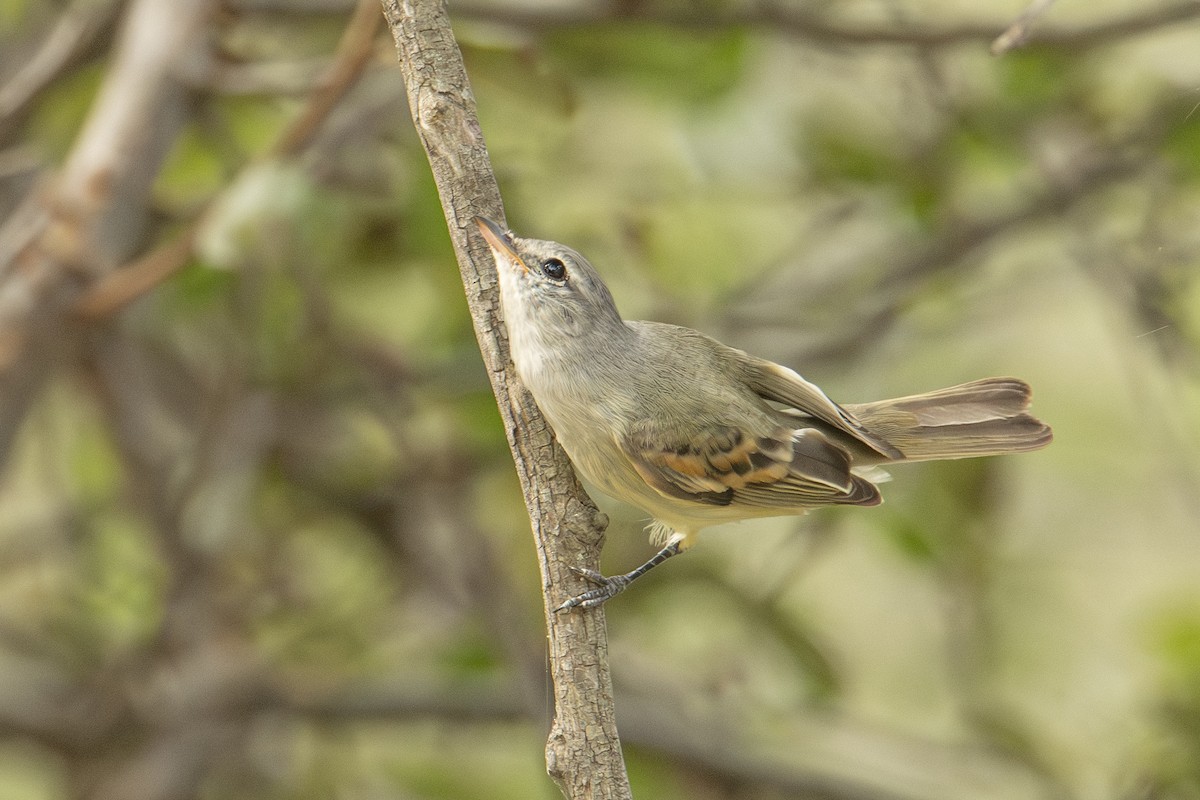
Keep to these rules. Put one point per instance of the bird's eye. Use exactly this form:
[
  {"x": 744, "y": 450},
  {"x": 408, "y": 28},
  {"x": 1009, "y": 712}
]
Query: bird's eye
[{"x": 554, "y": 269}]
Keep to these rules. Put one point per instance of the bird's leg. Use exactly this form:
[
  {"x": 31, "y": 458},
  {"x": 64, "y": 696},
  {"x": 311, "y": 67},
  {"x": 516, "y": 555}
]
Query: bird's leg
[{"x": 607, "y": 588}]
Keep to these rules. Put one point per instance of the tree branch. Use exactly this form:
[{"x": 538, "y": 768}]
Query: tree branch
[
  {"x": 127, "y": 283},
  {"x": 1016, "y": 34},
  {"x": 94, "y": 215},
  {"x": 960, "y": 239},
  {"x": 583, "y": 753},
  {"x": 822, "y": 29},
  {"x": 73, "y": 36}
]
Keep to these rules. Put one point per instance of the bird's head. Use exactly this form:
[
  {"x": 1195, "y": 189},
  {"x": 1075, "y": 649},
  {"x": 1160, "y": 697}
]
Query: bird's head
[{"x": 547, "y": 289}]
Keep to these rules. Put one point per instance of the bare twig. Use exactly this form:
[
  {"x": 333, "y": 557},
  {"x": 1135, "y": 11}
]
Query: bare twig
[
  {"x": 124, "y": 285},
  {"x": 390, "y": 702},
  {"x": 93, "y": 217},
  {"x": 960, "y": 240},
  {"x": 295, "y": 77},
  {"x": 1016, "y": 34},
  {"x": 133, "y": 280},
  {"x": 583, "y": 753},
  {"x": 353, "y": 54},
  {"x": 293, "y": 6},
  {"x": 846, "y": 760},
  {"x": 821, "y": 30},
  {"x": 72, "y": 36}
]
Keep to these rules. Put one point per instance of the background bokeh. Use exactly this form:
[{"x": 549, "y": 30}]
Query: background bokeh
[{"x": 260, "y": 535}]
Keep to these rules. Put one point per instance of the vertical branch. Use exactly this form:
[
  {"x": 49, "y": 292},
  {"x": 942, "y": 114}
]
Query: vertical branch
[{"x": 583, "y": 752}]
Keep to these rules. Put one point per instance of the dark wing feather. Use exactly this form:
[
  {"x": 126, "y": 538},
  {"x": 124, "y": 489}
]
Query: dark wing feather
[{"x": 724, "y": 465}]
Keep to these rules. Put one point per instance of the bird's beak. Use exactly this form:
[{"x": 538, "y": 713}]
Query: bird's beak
[{"x": 500, "y": 241}]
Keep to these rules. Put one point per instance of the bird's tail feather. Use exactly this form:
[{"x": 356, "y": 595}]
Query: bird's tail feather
[{"x": 981, "y": 418}]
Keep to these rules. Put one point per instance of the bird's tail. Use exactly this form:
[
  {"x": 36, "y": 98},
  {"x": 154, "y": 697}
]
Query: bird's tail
[{"x": 981, "y": 418}]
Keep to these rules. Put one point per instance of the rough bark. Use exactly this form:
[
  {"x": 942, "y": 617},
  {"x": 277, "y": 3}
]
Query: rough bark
[{"x": 583, "y": 752}]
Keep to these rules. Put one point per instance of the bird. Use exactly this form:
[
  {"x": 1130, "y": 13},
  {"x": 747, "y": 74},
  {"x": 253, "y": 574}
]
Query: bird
[{"x": 697, "y": 433}]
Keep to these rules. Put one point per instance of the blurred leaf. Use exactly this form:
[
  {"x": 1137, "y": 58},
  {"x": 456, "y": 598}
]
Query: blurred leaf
[
  {"x": 1036, "y": 80},
  {"x": 838, "y": 149},
  {"x": 255, "y": 125},
  {"x": 261, "y": 218},
  {"x": 838, "y": 152},
  {"x": 281, "y": 354},
  {"x": 479, "y": 419},
  {"x": 337, "y": 587},
  {"x": 424, "y": 232},
  {"x": 1177, "y": 641},
  {"x": 939, "y": 519},
  {"x": 120, "y": 597},
  {"x": 62, "y": 109},
  {"x": 707, "y": 243},
  {"x": 198, "y": 288},
  {"x": 467, "y": 764},
  {"x": 650, "y": 775},
  {"x": 12, "y": 12},
  {"x": 96, "y": 467},
  {"x": 910, "y": 538},
  {"x": 192, "y": 172},
  {"x": 1183, "y": 143},
  {"x": 1185, "y": 302},
  {"x": 470, "y": 656},
  {"x": 30, "y": 774},
  {"x": 981, "y": 152},
  {"x": 687, "y": 69},
  {"x": 261, "y": 37}
]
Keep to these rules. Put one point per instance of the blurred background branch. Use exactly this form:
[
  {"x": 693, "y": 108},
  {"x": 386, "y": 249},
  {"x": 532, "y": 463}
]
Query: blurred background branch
[{"x": 826, "y": 30}]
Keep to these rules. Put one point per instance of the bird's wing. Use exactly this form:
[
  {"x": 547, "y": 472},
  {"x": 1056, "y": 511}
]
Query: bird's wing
[
  {"x": 722, "y": 465},
  {"x": 783, "y": 385}
]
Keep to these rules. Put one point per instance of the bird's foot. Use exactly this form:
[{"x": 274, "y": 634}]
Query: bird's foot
[{"x": 606, "y": 589}]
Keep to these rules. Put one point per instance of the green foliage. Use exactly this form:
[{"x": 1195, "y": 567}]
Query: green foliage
[
  {"x": 95, "y": 466},
  {"x": 1035, "y": 81},
  {"x": 1174, "y": 766},
  {"x": 118, "y": 602},
  {"x": 1184, "y": 303},
  {"x": 706, "y": 245},
  {"x": 469, "y": 658},
  {"x": 941, "y": 510},
  {"x": 911, "y": 537},
  {"x": 198, "y": 289},
  {"x": 421, "y": 232},
  {"x": 839, "y": 151},
  {"x": 29, "y": 774},
  {"x": 651, "y": 776},
  {"x": 334, "y": 588},
  {"x": 1177, "y": 641},
  {"x": 688, "y": 69},
  {"x": 62, "y": 109},
  {"x": 423, "y": 761},
  {"x": 12, "y": 12},
  {"x": 193, "y": 172},
  {"x": 1183, "y": 140},
  {"x": 842, "y": 150},
  {"x": 478, "y": 421}
]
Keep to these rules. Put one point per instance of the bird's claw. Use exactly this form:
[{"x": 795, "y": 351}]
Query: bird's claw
[
  {"x": 590, "y": 575},
  {"x": 606, "y": 589}
]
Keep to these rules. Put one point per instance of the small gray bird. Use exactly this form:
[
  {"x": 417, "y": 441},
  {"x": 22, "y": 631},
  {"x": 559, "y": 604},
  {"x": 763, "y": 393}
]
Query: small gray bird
[{"x": 697, "y": 433}]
